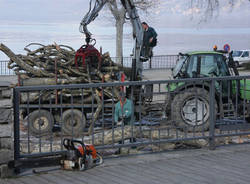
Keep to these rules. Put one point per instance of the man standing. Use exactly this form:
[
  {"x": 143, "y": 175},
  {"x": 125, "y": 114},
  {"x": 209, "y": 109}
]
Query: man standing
[{"x": 149, "y": 41}]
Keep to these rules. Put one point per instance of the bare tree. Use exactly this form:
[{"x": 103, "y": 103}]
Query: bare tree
[
  {"x": 119, "y": 14},
  {"x": 207, "y": 9}
]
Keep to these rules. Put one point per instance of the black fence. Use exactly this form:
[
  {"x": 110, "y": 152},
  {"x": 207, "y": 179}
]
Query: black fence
[
  {"x": 129, "y": 114},
  {"x": 156, "y": 62},
  {"x": 4, "y": 70}
]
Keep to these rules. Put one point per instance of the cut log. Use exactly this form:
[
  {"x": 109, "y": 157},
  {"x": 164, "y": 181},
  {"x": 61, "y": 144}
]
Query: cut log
[{"x": 21, "y": 63}]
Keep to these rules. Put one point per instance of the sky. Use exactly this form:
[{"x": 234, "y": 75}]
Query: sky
[
  {"x": 46, "y": 21},
  {"x": 63, "y": 11}
]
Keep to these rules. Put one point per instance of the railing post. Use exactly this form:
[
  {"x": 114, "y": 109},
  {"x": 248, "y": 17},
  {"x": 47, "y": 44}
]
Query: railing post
[
  {"x": 16, "y": 99},
  {"x": 150, "y": 62},
  {"x": 212, "y": 115}
]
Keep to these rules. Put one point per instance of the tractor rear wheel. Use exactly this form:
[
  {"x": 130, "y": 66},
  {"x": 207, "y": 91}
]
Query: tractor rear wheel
[{"x": 190, "y": 109}]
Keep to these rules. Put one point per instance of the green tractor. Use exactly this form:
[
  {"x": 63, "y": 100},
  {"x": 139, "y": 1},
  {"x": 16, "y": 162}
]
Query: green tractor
[{"x": 188, "y": 103}]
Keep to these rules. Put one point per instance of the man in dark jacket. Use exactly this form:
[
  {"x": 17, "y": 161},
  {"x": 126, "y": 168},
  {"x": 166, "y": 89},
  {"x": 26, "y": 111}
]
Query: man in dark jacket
[{"x": 149, "y": 41}]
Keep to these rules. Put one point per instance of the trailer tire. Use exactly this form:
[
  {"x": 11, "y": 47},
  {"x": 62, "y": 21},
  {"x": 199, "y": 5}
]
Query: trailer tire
[
  {"x": 190, "y": 109},
  {"x": 40, "y": 122},
  {"x": 79, "y": 122}
]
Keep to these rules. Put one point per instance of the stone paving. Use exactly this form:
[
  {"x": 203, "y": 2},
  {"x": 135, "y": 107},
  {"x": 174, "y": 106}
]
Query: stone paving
[{"x": 228, "y": 164}]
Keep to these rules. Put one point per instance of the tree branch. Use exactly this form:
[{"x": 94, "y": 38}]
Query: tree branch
[{"x": 114, "y": 9}]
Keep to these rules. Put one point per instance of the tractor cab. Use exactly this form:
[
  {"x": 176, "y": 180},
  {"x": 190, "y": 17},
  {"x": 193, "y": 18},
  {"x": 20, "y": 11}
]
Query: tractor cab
[
  {"x": 201, "y": 64},
  {"x": 208, "y": 64}
]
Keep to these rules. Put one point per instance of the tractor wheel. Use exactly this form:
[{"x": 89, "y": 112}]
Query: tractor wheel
[
  {"x": 190, "y": 109},
  {"x": 74, "y": 122},
  {"x": 40, "y": 122}
]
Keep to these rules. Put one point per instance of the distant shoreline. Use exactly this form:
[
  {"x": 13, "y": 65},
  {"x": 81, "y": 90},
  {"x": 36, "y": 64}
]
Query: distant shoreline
[{"x": 170, "y": 40}]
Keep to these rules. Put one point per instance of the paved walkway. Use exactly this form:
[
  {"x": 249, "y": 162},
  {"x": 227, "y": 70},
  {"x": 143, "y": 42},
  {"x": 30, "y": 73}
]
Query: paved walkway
[
  {"x": 154, "y": 74},
  {"x": 229, "y": 165}
]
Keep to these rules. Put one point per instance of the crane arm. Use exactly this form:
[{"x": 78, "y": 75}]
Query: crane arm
[
  {"x": 134, "y": 19},
  {"x": 94, "y": 9},
  {"x": 138, "y": 38},
  {"x": 136, "y": 24}
]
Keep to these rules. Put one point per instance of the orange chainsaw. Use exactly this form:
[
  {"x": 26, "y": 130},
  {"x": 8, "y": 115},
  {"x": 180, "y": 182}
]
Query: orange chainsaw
[{"x": 80, "y": 156}]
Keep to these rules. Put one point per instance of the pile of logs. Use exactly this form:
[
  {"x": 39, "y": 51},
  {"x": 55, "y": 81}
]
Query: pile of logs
[
  {"x": 52, "y": 62},
  {"x": 55, "y": 64}
]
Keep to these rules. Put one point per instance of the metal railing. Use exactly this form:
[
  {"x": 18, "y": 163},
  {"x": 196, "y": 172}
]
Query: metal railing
[
  {"x": 4, "y": 70},
  {"x": 156, "y": 62},
  {"x": 155, "y": 112}
]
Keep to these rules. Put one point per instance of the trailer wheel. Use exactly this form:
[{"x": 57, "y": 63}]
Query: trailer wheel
[
  {"x": 74, "y": 122},
  {"x": 40, "y": 122},
  {"x": 190, "y": 109}
]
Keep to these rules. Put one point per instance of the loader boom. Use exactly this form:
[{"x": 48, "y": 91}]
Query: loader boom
[{"x": 95, "y": 6}]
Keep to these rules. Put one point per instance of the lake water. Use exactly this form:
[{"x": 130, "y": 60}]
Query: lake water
[{"x": 170, "y": 40}]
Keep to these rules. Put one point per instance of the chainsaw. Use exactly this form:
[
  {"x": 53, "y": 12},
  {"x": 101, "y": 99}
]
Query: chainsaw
[{"x": 79, "y": 156}]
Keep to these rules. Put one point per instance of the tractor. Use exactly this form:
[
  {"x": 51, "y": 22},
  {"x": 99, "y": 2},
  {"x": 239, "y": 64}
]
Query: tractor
[{"x": 188, "y": 104}]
